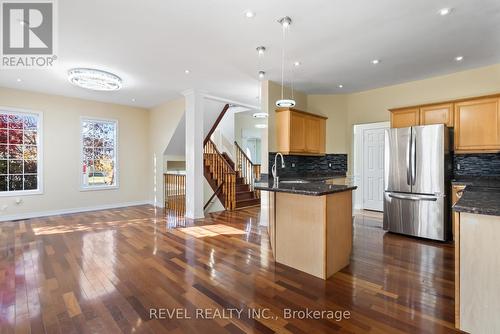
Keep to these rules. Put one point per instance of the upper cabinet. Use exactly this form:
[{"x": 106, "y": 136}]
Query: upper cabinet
[
  {"x": 299, "y": 132},
  {"x": 437, "y": 114},
  {"x": 433, "y": 114},
  {"x": 476, "y": 121},
  {"x": 403, "y": 118},
  {"x": 477, "y": 125}
]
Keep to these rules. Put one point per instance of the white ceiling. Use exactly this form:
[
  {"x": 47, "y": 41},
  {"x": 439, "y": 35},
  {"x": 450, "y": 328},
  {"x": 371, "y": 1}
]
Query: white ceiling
[{"x": 149, "y": 43}]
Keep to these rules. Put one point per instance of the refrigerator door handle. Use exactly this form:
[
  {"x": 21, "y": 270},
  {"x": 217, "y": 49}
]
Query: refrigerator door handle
[
  {"x": 414, "y": 198},
  {"x": 413, "y": 154},
  {"x": 408, "y": 161}
]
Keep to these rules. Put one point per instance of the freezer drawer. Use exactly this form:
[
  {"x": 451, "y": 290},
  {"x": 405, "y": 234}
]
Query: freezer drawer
[{"x": 417, "y": 215}]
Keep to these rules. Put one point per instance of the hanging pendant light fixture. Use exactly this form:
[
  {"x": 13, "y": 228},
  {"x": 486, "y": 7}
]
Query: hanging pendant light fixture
[{"x": 284, "y": 103}]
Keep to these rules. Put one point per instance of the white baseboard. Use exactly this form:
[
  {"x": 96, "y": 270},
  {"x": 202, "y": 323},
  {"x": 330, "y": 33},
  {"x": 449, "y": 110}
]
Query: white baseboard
[{"x": 29, "y": 215}]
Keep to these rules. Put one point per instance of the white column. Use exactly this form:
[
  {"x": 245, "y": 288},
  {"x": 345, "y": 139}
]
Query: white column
[{"x": 194, "y": 153}]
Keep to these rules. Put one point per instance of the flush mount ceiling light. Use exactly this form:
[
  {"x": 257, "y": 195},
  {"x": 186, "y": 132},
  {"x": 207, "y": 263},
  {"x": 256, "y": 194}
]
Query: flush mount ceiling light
[
  {"x": 249, "y": 14},
  {"x": 296, "y": 63},
  {"x": 261, "y": 126},
  {"x": 375, "y": 61},
  {"x": 262, "y": 74},
  {"x": 341, "y": 86},
  {"x": 459, "y": 58},
  {"x": 445, "y": 11},
  {"x": 260, "y": 115},
  {"x": 284, "y": 103},
  {"x": 93, "y": 79}
]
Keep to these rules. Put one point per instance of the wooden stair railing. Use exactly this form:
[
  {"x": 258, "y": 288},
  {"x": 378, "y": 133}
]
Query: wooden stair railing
[
  {"x": 216, "y": 124},
  {"x": 222, "y": 173},
  {"x": 246, "y": 168},
  {"x": 175, "y": 192}
]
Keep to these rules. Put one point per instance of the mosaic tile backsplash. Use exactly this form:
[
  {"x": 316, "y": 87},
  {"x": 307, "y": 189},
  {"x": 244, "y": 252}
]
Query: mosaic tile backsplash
[
  {"x": 311, "y": 165},
  {"x": 476, "y": 164}
]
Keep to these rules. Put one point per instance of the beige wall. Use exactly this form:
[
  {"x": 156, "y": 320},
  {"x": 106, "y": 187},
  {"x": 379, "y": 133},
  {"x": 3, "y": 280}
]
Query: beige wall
[
  {"x": 371, "y": 106},
  {"x": 61, "y": 154},
  {"x": 335, "y": 108},
  {"x": 163, "y": 121}
]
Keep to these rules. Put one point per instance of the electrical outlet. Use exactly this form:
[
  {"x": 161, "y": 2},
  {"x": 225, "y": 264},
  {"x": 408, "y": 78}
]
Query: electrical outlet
[
  {"x": 293, "y": 164},
  {"x": 458, "y": 166}
]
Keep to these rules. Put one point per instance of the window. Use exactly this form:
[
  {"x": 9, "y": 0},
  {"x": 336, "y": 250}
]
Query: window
[
  {"x": 20, "y": 163},
  {"x": 99, "y": 154}
]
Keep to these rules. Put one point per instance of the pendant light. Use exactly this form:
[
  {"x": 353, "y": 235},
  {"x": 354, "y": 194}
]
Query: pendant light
[{"x": 284, "y": 103}]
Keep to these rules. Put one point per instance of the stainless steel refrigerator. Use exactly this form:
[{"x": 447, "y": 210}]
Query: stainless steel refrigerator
[{"x": 417, "y": 181}]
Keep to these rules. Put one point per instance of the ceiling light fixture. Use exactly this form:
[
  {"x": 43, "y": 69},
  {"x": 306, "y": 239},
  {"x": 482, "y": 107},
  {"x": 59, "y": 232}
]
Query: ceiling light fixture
[
  {"x": 93, "y": 79},
  {"x": 261, "y": 126},
  {"x": 375, "y": 61},
  {"x": 296, "y": 63},
  {"x": 262, "y": 74},
  {"x": 133, "y": 99},
  {"x": 459, "y": 58},
  {"x": 284, "y": 103},
  {"x": 260, "y": 115},
  {"x": 261, "y": 50},
  {"x": 445, "y": 11},
  {"x": 187, "y": 71},
  {"x": 341, "y": 86},
  {"x": 249, "y": 14},
  {"x": 19, "y": 80}
]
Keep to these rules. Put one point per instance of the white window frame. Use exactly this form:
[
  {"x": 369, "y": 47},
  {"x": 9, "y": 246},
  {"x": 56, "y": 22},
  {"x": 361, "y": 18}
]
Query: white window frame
[
  {"x": 84, "y": 187},
  {"x": 39, "y": 191}
]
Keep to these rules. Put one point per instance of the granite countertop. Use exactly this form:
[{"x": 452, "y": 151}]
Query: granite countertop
[
  {"x": 481, "y": 196},
  {"x": 317, "y": 185}
]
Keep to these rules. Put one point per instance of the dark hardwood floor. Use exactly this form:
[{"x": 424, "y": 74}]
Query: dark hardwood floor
[{"x": 103, "y": 272}]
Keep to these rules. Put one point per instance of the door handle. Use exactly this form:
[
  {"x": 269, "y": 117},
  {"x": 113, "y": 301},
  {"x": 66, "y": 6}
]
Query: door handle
[
  {"x": 413, "y": 155},
  {"x": 408, "y": 161},
  {"x": 414, "y": 198}
]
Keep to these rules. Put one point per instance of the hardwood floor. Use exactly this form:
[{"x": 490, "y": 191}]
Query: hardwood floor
[{"x": 102, "y": 272}]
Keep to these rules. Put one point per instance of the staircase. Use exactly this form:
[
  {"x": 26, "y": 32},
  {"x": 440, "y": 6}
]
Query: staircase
[{"x": 232, "y": 182}]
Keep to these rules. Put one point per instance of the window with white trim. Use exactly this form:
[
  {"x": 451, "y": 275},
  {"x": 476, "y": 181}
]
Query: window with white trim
[
  {"x": 20, "y": 163},
  {"x": 99, "y": 147}
]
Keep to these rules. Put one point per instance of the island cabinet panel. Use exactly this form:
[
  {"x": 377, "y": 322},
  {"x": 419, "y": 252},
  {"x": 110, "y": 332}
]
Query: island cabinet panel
[
  {"x": 272, "y": 222},
  {"x": 403, "y": 118},
  {"x": 338, "y": 231},
  {"x": 437, "y": 114},
  {"x": 456, "y": 193},
  {"x": 477, "y": 126},
  {"x": 299, "y": 132}
]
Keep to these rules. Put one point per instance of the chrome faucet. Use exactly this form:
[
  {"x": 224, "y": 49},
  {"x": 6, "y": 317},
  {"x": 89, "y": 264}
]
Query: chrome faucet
[{"x": 274, "y": 170}]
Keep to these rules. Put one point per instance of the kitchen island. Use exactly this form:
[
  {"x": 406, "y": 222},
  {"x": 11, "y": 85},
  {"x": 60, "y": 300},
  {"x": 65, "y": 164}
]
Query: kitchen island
[
  {"x": 477, "y": 263},
  {"x": 310, "y": 224}
]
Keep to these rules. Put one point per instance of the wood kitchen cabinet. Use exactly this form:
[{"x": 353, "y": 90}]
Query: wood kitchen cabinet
[
  {"x": 477, "y": 125},
  {"x": 299, "y": 132},
  {"x": 456, "y": 193},
  {"x": 425, "y": 115},
  {"x": 437, "y": 114},
  {"x": 404, "y": 118}
]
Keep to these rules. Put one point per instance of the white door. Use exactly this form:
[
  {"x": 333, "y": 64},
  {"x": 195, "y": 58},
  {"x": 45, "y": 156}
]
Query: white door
[{"x": 373, "y": 169}]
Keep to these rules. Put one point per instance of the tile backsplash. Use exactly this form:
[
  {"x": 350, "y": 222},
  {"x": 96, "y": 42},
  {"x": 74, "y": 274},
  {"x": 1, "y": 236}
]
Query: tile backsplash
[
  {"x": 310, "y": 165},
  {"x": 476, "y": 164}
]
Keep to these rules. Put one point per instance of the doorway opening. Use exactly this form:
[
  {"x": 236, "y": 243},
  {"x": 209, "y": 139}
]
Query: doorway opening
[{"x": 369, "y": 165}]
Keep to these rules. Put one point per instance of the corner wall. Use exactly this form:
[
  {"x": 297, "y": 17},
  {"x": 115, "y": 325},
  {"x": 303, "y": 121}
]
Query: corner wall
[{"x": 61, "y": 155}]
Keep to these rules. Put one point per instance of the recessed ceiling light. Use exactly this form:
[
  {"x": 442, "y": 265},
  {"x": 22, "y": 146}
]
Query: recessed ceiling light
[
  {"x": 133, "y": 99},
  {"x": 341, "y": 86},
  {"x": 260, "y": 115},
  {"x": 261, "y": 50},
  {"x": 459, "y": 58},
  {"x": 285, "y": 21},
  {"x": 445, "y": 11},
  {"x": 375, "y": 61},
  {"x": 262, "y": 74},
  {"x": 296, "y": 63},
  {"x": 19, "y": 80},
  {"x": 94, "y": 79},
  {"x": 261, "y": 126},
  {"x": 249, "y": 14},
  {"x": 187, "y": 71}
]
